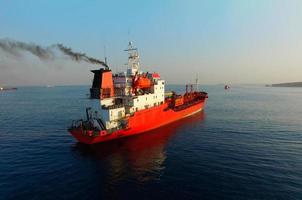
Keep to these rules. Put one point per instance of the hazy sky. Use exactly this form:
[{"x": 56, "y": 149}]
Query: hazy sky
[{"x": 243, "y": 41}]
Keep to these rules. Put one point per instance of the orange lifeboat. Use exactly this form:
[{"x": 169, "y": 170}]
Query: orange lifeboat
[{"x": 142, "y": 83}]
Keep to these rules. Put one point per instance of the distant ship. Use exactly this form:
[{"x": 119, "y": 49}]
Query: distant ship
[{"x": 132, "y": 102}]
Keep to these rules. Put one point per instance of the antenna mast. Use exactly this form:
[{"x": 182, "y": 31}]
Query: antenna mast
[
  {"x": 196, "y": 82},
  {"x": 105, "y": 54},
  {"x": 133, "y": 60}
]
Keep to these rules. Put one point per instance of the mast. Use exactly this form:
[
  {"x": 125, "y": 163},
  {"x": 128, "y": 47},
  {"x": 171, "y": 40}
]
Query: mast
[
  {"x": 196, "y": 82},
  {"x": 105, "y": 56},
  {"x": 133, "y": 60}
]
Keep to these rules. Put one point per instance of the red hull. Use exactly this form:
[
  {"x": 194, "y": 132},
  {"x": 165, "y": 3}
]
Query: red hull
[{"x": 142, "y": 121}]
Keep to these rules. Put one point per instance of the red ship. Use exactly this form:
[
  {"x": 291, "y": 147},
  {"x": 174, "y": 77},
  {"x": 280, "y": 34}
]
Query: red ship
[{"x": 132, "y": 102}]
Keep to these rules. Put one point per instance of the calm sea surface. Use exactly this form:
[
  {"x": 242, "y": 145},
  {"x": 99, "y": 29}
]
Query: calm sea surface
[{"x": 246, "y": 145}]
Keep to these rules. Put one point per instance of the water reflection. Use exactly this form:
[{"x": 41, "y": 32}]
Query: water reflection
[{"x": 142, "y": 157}]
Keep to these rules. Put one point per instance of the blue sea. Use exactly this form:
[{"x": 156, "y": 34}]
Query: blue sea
[{"x": 247, "y": 144}]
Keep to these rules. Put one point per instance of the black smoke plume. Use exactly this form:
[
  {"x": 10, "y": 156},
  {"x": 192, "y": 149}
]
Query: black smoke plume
[
  {"x": 79, "y": 56},
  {"x": 45, "y": 53}
]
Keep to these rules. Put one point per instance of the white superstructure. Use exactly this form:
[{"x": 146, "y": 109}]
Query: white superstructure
[{"x": 133, "y": 91}]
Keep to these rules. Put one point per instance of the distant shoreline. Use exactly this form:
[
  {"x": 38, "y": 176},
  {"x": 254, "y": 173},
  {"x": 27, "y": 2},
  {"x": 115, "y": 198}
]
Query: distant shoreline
[{"x": 291, "y": 84}]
